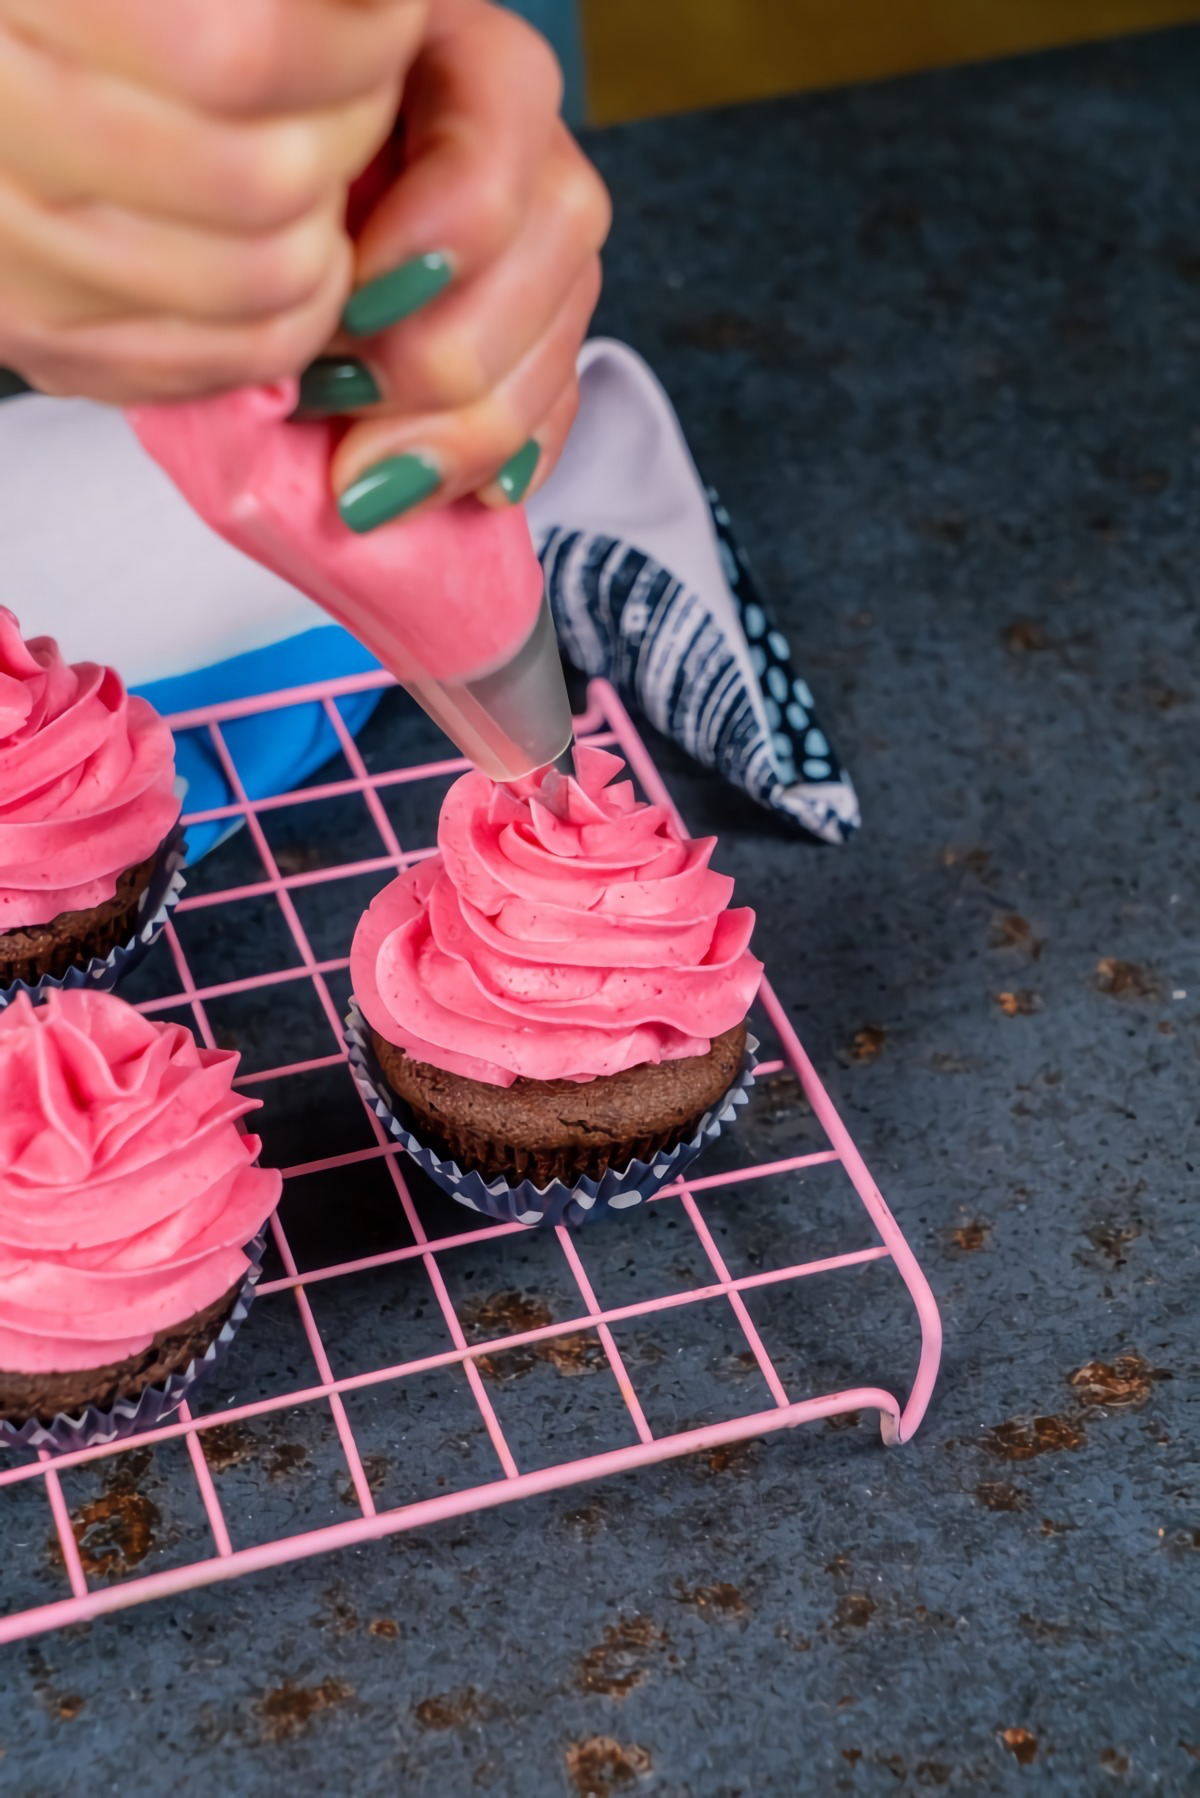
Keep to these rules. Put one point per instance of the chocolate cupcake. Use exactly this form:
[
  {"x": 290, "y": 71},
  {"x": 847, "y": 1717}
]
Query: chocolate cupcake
[
  {"x": 128, "y": 1196},
  {"x": 87, "y": 801},
  {"x": 562, "y": 990},
  {"x": 542, "y": 1130}
]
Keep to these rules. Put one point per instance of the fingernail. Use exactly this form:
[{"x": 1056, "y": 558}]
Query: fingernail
[
  {"x": 517, "y": 472},
  {"x": 335, "y": 384},
  {"x": 393, "y": 296},
  {"x": 387, "y": 490}
]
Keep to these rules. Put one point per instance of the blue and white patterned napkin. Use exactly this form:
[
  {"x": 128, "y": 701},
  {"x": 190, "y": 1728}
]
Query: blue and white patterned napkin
[{"x": 651, "y": 590}]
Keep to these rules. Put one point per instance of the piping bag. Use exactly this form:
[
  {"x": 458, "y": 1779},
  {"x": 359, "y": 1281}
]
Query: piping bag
[{"x": 452, "y": 602}]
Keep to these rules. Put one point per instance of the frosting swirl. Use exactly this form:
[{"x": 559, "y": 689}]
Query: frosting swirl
[
  {"x": 564, "y": 931},
  {"x": 86, "y": 780},
  {"x": 127, "y": 1190}
]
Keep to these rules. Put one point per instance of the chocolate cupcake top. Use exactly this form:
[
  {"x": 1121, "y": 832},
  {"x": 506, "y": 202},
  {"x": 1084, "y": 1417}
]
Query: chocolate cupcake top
[
  {"x": 565, "y": 930},
  {"x": 127, "y": 1190},
  {"x": 86, "y": 781}
]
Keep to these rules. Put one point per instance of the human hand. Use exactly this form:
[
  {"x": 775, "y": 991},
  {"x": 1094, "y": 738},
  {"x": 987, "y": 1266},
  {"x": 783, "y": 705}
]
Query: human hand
[
  {"x": 477, "y": 271},
  {"x": 173, "y": 183}
]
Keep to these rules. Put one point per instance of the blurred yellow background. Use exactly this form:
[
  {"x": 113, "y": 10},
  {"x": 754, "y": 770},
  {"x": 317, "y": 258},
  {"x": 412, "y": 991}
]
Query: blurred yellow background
[{"x": 655, "y": 56}]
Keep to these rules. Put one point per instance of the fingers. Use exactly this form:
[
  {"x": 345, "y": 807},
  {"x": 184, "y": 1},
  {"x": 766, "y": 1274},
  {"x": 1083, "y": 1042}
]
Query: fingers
[
  {"x": 103, "y": 261},
  {"x": 173, "y": 183},
  {"x": 449, "y": 354},
  {"x": 143, "y": 150},
  {"x": 453, "y": 353},
  {"x": 524, "y": 473},
  {"x": 385, "y": 467},
  {"x": 481, "y": 108},
  {"x": 136, "y": 360},
  {"x": 254, "y": 57},
  {"x": 480, "y": 271}
]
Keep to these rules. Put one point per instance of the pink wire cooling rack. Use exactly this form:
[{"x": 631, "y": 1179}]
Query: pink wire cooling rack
[{"x": 96, "y": 1583}]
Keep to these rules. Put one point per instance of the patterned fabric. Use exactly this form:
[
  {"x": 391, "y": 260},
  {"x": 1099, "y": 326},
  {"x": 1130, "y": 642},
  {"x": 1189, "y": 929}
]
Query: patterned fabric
[{"x": 741, "y": 709}]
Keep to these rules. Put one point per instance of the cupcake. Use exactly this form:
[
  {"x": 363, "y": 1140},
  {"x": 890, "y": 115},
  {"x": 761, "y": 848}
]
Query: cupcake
[
  {"x": 87, "y": 798},
  {"x": 128, "y": 1196},
  {"x": 562, "y": 990}
]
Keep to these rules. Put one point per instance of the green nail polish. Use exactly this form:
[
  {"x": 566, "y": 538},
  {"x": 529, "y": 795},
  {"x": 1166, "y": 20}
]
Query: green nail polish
[
  {"x": 517, "y": 472},
  {"x": 335, "y": 384},
  {"x": 393, "y": 296},
  {"x": 387, "y": 490}
]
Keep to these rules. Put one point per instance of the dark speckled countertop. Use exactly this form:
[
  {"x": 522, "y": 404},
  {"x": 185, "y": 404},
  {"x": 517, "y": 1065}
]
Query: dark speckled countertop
[{"x": 938, "y": 344}]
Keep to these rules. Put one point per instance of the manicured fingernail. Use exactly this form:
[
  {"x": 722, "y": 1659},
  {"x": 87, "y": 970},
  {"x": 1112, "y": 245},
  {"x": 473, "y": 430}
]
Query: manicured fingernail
[
  {"x": 393, "y": 296},
  {"x": 335, "y": 384},
  {"x": 387, "y": 490},
  {"x": 517, "y": 472}
]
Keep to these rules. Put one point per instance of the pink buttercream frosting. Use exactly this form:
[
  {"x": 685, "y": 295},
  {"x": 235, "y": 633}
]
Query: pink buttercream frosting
[
  {"x": 564, "y": 931},
  {"x": 86, "y": 780},
  {"x": 127, "y": 1190}
]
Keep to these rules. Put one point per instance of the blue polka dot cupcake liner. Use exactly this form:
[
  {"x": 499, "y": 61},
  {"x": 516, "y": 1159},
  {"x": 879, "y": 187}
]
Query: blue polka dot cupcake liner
[
  {"x": 93, "y": 1426},
  {"x": 102, "y": 974},
  {"x": 585, "y": 1202}
]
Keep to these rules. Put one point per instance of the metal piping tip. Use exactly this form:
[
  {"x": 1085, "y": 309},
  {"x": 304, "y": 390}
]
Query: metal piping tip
[{"x": 565, "y": 763}]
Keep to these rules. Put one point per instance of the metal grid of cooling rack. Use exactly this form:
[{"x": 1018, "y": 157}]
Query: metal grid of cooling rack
[{"x": 90, "y": 1594}]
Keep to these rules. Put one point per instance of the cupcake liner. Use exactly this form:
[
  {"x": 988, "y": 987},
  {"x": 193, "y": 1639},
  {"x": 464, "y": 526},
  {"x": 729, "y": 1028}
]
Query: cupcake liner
[
  {"x": 155, "y": 906},
  {"x": 153, "y": 1405},
  {"x": 618, "y": 1189}
]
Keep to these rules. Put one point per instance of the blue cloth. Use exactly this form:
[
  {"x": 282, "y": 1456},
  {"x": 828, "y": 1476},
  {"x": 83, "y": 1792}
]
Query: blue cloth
[{"x": 272, "y": 751}]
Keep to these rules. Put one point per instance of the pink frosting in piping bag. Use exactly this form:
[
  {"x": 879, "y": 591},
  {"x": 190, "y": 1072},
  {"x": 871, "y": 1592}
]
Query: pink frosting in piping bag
[
  {"x": 86, "y": 781},
  {"x": 127, "y": 1193},
  {"x": 445, "y": 599},
  {"x": 446, "y": 595},
  {"x": 563, "y": 932},
  {"x": 450, "y": 599}
]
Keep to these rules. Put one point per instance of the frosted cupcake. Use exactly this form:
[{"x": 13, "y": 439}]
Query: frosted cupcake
[
  {"x": 563, "y": 988},
  {"x": 128, "y": 1196},
  {"x": 87, "y": 799}
]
